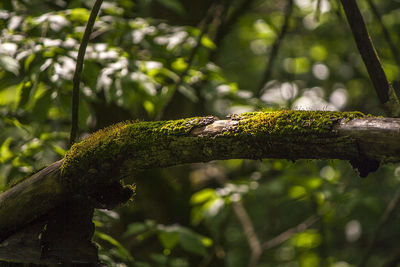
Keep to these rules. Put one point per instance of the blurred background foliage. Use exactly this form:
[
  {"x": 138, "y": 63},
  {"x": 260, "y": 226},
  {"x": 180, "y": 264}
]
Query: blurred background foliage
[{"x": 167, "y": 59}]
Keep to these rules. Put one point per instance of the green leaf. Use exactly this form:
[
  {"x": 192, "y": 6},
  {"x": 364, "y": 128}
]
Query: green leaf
[
  {"x": 170, "y": 74},
  {"x": 207, "y": 43},
  {"x": 297, "y": 65},
  {"x": 192, "y": 242},
  {"x": 8, "y": 96},
  {"x": 9, "y": 64},
  {"x": 16, "y": 123},
  {"x": 168, "y": 239},
  {"x": 203, "y": 196},
  {"x": 119, "y": 250},
  {"x": 32, "y": 147},
  {"x": 80, "y": 15},
  {"x": 173, "y": 5},
  {"x": 42, "y": 104},
  {"x": 59, "y": 150},
  {"x": 308, "y": 239},
  {"x": 159, "y": 259},
  {"x": 135, "y": 228},
  {"x": 391, "y": 70},
  {"x": 318, "y": 52},
  {"x": 54, "y": 136},
  {"x": 188, "y": 240},
  {"x": 297, "y": 191},
  {"x": 28, "y": 61},
  {"x": 23, "y": 93},
  {"x": 121, "y": 254},
  {"x": 149, "y": 107},
  {"x": 5, "y": 152},
  {"x": 179, "y": 64},
  {"x": 264, "y": 30}
]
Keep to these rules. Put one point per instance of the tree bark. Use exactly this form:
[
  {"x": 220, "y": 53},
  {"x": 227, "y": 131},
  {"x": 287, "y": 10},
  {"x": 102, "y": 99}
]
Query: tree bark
[{"x": 92, "y": 167}]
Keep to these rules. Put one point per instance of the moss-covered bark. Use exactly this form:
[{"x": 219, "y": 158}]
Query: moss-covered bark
[
  {"x": 95, "y": 166},
  {"x": 282, "y": 134}
]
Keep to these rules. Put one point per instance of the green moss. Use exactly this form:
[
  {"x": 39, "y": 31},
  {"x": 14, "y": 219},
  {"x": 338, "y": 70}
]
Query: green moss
[
  {"x": 289, "y": 122},
  {"x": 100, "y": 156}
]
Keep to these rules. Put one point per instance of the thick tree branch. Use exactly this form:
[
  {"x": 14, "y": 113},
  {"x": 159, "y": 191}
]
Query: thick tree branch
[
  {"x": 94, "y": 166},
  {"x": 45, "y": 189}
]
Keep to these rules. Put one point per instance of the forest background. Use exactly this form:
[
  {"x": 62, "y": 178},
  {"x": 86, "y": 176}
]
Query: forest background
[{"x": 168, "y": 59}]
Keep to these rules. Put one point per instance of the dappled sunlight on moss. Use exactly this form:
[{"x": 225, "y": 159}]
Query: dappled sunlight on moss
[
  {"x": 110, "y": 148},
  {"x": 287, "y": 122},
  {"x": 117, "y": 143}
]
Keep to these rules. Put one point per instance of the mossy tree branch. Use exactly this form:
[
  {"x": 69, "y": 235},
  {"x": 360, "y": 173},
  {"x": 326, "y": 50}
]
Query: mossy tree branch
[{"x": 96, "y": 165}]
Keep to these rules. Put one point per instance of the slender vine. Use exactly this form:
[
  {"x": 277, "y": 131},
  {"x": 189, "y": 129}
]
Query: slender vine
[
  {"x": 383, "y": 88},
  {"x": 393, "y": 48},
  {"x": 78, "y": 70},
  {"x": 385, "y": 219}
]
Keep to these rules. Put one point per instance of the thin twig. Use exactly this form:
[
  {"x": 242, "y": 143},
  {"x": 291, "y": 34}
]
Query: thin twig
[
  {"x": 279, "y": 239},
  {"x": 370, "y": 57},
  {"x": 78, "y": 69},
  {"x": 220, "y": 18},
  {"x": 227, "y": 24},
  {"x": 317, "y": 10},
  {"x": 247, "y": 225},
  {"x": 189, "y": 63},
  {"x": 387, "y": 215},
  {"x": 233, "y": 18},
  {"x": 386, "y": 34},
  {"x": 250, "y": 233},
  {"x": 276, "y": 46},
  {"x": 335, "y": 4},
  {"x": 393, "y": 261}
]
